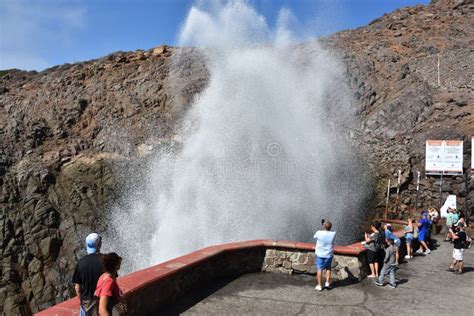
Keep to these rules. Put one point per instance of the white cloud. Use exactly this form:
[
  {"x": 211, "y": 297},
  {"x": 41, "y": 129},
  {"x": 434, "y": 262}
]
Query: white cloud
[{"x": 30, "y": 30}]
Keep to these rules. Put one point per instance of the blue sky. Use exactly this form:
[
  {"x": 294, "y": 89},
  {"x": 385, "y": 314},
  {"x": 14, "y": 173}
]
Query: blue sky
[{"x": 36, "y": 34}]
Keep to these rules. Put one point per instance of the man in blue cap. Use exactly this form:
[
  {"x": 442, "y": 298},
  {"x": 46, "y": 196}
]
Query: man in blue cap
[
  {"x": 87, "y": 273},
  {"x": 423, "y": 233}
]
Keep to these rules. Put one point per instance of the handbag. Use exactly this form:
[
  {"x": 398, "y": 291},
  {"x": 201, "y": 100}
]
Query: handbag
[{"x": 415, "y": 232}]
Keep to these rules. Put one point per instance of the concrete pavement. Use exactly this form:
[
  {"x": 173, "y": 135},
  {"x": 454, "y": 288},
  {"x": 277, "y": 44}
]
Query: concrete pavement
[{"x": 424, "y": 288}]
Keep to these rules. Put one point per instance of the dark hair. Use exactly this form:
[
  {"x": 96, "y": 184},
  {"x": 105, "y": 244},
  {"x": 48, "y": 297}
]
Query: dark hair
[
  {"x": 390, "y": 241},
  {"x": 378, "y": 226},
  {"x": 327, "y": 225},
  {"x": 110, "y": 261}
]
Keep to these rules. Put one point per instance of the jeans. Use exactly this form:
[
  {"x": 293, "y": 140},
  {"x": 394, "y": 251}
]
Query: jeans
[{"x": 390, "y": 270}]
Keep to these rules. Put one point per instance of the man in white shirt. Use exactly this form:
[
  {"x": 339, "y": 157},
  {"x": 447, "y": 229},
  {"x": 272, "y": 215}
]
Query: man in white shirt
[{"x": 324, "y": 254}]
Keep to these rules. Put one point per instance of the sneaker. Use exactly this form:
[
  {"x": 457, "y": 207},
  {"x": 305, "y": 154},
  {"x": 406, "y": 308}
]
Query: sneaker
[
  {"x": 427, "y": 251},
  {"x": 318, "y": 288},
  {"x": 371, "y": 276},
  {"x": 328, "y": 285},
  {"x": 458, "y": 271},
  {"x": 407, "y": 257},
  {"x": 378, "y": 283},
  {"x": 392, "y": 286},
  {"x": 411, "y": 257},
  {"x": 419, "y": 250}
]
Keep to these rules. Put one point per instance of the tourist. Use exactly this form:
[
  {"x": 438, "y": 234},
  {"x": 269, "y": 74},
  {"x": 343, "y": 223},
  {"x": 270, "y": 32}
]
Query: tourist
[
  {"x": 380, "y": 244},
  {"x": 389, "y": 265},
  {"x": 449, "y": 223},
  {"x": 455, "y": 218},
  {"x": 324, "y": 254},
  {"x": 372, "y": 244},
  {"x": 434, "y": 217},
  {"x": 397, "y": 242},
  {"x": 424, "y": 226},
  {"x": 87, "y": 272},
  {"x": 107, "y": 290},
  {"x": 460, "y": 242},
  {"x": 409, "y": 236},
  {"x": 460, "y": 220}
]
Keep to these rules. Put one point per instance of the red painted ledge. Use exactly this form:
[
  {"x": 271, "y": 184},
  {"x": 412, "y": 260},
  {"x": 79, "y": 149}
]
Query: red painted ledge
[{"x": 138, "y": 280}]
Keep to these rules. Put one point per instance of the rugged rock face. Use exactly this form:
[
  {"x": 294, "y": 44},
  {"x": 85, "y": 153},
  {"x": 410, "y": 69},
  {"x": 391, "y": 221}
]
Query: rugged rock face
[
  {"x": 67, "y": 133},
  {"x": 393, "y": 68}
]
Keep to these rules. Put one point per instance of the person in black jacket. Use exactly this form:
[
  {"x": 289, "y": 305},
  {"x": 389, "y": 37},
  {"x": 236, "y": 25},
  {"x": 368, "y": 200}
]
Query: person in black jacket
[
  {"x": 86, "y": 274},
  {"x": 459, "y": 241}
]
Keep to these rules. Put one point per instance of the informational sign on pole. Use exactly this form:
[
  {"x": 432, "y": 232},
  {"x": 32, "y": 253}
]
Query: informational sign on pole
[
  {"x": 449, "y": 203},
  {"x": 444, "y": 157}
]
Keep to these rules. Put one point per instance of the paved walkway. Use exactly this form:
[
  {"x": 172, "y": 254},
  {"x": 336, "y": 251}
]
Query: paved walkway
[{"x": 425, "y": 288}]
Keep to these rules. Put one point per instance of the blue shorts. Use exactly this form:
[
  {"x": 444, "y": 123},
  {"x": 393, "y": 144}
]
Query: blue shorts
[
  {"x": 323, "y": 263},
  {"x": 422, "y": 235}
]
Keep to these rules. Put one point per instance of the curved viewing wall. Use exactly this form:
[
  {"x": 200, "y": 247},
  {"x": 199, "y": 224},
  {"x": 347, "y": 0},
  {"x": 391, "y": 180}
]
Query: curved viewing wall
[{"x": 148, "y": 290}]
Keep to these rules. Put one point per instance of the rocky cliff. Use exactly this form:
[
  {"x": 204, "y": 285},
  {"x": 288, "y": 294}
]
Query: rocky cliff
[
  {"x": 393, "y": 68},
  {"x": 67, "y": 133}
]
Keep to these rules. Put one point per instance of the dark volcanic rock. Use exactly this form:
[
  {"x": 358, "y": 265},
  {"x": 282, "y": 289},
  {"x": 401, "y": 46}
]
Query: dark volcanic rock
[
  {"x": 67, "y": 132},
  {"x": 63, "y": 134}
]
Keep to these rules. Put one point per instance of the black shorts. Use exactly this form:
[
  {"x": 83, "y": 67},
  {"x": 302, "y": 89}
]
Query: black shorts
[
  {"x": 380, "y": 254},
  {"x": 371, "y": 256}
]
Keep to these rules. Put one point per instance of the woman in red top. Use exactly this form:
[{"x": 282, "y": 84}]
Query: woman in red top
[{"x": 107, "y": 289}]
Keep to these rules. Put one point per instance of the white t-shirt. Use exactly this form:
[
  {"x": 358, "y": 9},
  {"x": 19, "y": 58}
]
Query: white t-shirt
[{"x": 324, "y": 243}]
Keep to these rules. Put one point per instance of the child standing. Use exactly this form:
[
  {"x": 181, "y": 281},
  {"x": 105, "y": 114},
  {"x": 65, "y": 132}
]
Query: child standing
[
  {"x": 389, "y": 265},
  {"x": 409, "y": 236}
]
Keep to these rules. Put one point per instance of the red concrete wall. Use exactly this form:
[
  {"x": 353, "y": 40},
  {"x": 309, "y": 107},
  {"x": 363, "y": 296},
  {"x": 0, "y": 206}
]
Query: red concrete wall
[{"x": 147, "y": 289}]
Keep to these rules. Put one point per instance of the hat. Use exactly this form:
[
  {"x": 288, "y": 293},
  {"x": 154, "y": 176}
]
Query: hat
[
  {"x": 93, "y": 243},
  {"x": 388, "y": 225},
  {"x": 425, "y": 214}
]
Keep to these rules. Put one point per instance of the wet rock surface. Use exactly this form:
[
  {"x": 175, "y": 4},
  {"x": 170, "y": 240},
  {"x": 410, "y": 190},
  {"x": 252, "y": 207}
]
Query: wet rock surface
[
  {"x": 67, "y": 137},
  {"x": 68, "y": 133}
]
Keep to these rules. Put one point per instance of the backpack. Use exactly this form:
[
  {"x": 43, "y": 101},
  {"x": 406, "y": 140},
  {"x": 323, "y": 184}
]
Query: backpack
[{"x": 380, "y": 241}]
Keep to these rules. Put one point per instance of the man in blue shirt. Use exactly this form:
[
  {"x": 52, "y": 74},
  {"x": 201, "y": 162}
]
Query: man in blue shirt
[
  {"x": 324, "y": 254},
  {"x": 423, "y": 233}
]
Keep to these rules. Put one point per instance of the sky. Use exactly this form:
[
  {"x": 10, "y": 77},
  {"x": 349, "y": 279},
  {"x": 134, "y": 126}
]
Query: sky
[{"x": 37, "y": 34}]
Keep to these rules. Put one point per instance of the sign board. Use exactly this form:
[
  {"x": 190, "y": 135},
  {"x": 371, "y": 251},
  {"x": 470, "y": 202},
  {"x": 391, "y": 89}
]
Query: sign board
[
  {"x": 444, "y": 157},
  {"x": 453, "y": 155},
  {"x": 434, "y": 160},
  {"x": 450, "y": 202}
]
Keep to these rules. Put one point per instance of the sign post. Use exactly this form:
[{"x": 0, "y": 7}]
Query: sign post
[
  {"x": 386, "y": 202},
  {"x": 417, "y": 189},
  {"x": 398, "y": 189},
  {"x": 443, "y": 157},
  {"x": 440, "y": 191}
]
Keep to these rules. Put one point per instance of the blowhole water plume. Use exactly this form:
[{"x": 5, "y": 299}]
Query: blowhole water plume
[{"x": 264, "y": 153}]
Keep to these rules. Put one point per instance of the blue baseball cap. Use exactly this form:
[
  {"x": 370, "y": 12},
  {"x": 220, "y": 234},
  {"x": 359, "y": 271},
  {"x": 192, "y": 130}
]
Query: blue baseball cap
[{"x": 93, "y": 243}]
